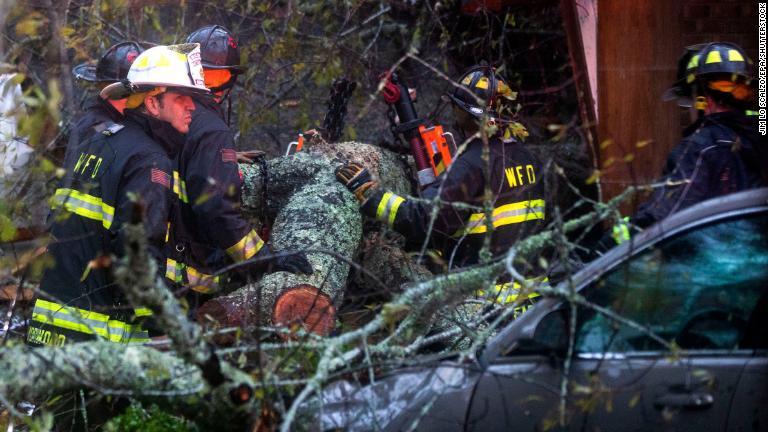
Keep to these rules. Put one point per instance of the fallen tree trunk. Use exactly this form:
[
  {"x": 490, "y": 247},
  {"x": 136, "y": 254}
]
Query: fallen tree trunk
[
  {"x": 314, "y": 213},
  {"x": 137, "y": 371},
  {"x": 385, "y": 267},
  {"x": 146, "y": 289},
  {"x": 390, "y": 169},
  {"x": 35, "y": 373},
  {"x": 266, "y": 191}
]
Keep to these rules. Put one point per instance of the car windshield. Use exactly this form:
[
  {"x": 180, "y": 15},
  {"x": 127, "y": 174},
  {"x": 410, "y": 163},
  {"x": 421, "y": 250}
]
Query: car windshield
[{"x": 698, "y": 289}]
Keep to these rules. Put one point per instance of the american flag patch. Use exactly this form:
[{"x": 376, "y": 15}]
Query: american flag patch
[
  {"x": 228, "y": 155},
  {"x": 161, "y": 177}
]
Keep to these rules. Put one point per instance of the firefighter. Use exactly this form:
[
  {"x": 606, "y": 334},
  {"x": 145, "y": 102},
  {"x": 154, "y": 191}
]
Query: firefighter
[
  {"x": 112, "y": 66},
  {"x": 514, "y": 178},
  {"x": 722, "y": 155},
  {"x": 119, "y": 169},
  {"x": 208, "y": 231},
  {"x": 681, "y": 91}
]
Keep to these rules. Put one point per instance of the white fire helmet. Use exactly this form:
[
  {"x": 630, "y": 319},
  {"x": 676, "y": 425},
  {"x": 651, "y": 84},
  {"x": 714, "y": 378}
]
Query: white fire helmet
[{"x": 172, "y": 66}]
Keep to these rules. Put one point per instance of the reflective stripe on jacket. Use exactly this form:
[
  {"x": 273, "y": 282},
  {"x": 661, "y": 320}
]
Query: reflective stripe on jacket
[
  {"x": 118, "y": 172},
  {"x": 56, "y": 324},
  {"x": 182, "y": 274},
  {"x": 207, "y": 230},
  {"x": 725, "y": 154},
  {"x": 517, "y": 200}
]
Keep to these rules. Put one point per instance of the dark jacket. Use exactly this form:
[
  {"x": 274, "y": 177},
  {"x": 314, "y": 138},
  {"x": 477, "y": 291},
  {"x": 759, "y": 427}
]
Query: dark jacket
[
  {"x": 207, "y": 230},
  {"x": 720, "y": 157},
  {"x": 115, "y": 164},
  {"x": 517, "y": 197},
  {"x": 95, "y": 110}
]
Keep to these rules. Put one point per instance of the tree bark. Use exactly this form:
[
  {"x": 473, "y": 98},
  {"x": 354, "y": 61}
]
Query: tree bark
[
  {"x": 137, "y": 371},
  {"x": 312, "y": 212},
  {"x": 285, "y": 175},
  {"x": 385, "y": 267}
]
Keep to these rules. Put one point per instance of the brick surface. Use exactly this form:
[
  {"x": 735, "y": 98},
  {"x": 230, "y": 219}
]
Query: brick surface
[
  {"x": 689, "y": 27},
  {"x": 716, "y": 26},
  {"x": 696, "y": 11},
  {"x": 726, "y": 11},
  {"x": 725, "y": 20},
  {"x": 731, "y": 28},
  {"x": 749, "y": 11},
  {"x": 690, "y": 39}
]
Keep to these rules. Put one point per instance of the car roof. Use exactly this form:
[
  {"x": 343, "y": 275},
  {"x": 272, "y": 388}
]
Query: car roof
[{"x": 754, "y": 200}]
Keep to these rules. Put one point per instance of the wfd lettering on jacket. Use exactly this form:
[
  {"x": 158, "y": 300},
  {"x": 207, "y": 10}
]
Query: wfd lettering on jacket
[
  {"x": 520, "y": 175},
  {"x": 86, "y": 161}
]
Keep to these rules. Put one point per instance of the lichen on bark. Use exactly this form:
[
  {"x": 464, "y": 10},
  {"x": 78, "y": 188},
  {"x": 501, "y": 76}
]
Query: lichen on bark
[{"x": 312, "y": 213}]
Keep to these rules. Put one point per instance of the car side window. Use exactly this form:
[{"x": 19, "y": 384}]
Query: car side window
[{"x": 699, "y": 288}]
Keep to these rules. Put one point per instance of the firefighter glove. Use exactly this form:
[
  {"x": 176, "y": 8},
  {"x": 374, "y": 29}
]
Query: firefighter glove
[
  {"x": 249, "y": 156},
  {"x": 296, "y": 262},
  {"x": 356, "y": 178}
]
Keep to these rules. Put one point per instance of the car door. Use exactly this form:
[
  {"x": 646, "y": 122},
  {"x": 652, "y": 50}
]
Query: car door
[
  {"x": 659, "y": 341},
  {"x": 696, "y": 290},
  {"x": 747, "y": 409}
]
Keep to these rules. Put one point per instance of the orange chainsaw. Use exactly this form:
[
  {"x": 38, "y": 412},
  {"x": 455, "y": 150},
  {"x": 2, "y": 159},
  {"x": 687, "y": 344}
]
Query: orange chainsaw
[{"x": 431, "y": 150}]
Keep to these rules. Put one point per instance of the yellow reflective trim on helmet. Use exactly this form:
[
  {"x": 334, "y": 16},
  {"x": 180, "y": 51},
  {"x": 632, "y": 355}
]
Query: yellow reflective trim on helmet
[
  {"x": 714, "y": 57},
  {"x": 142, "y": 62},
  {"x": 180, "y": 56},
  {"x": 735, "y": 56},
  {"x": 482, "y": 83},
  {"x": 693, "y": 62},
  {"x": 162, "y": 61}
]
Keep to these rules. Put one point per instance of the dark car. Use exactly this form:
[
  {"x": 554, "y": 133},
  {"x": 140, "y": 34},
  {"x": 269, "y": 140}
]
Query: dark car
[{"x": 672, "y": 334}]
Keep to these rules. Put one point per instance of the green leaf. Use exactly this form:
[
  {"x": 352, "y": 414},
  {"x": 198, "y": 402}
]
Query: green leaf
[{"x": 7, "y": 229}]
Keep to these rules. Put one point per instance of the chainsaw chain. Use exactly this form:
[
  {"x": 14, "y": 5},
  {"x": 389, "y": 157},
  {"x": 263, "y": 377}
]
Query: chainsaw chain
[
  {"x": 391, "y": 114},
  {"x": 333, "y": 123}
]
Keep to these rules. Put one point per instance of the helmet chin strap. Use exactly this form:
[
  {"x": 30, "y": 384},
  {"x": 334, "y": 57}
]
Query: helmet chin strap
[
  {"x": 700, "y": 103},
  {"x": 229, "y": 108},
  {"x": 229, "y": 104},
  {"x": 226, "y": 97}
]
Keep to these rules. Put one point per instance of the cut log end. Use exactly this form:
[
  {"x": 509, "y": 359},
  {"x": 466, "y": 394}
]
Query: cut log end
[
  {"x": 220, "y": 313},
  {"x": 307, "y": 306}
]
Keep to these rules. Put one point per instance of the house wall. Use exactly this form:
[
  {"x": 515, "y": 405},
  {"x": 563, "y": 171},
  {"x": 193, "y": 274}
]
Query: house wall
[{"x": 639, "y": 43}]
